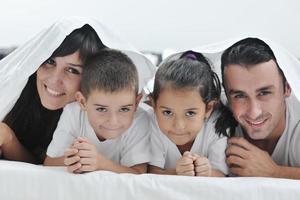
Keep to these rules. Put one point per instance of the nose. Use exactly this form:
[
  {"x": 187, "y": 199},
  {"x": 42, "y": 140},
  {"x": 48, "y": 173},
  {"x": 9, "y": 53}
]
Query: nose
[
  {"x": 254, "y": 109},
  {"x": 113, "y": 119},
  {"x": 179, "y": 123},
  {"x": 57, "y": 76}
]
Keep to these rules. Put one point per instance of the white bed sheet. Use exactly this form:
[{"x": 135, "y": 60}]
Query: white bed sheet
[{"x": 26, "y": 181}]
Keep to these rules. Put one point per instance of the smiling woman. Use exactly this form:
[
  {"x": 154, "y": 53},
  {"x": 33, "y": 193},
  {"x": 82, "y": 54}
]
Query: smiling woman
[{"x": 51, "y": 65}]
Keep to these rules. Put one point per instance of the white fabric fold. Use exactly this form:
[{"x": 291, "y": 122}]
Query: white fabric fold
[{"x": 25, "y": 60}]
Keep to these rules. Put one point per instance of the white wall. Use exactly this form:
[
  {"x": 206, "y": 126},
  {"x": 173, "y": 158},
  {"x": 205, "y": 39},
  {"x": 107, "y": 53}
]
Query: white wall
[{"x": 159, "y": 24}]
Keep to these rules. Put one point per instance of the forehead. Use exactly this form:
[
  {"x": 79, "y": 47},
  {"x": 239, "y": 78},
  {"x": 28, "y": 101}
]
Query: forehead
[{"x": 243, "y": 78}]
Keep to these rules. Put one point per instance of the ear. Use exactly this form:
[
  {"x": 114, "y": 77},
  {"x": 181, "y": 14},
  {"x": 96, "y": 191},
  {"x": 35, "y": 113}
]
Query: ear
[
  {"x": 138, "y": 98},
  {"x": 209, "y": 108},
  {"x": 81, "y": 100},
  {"x": 288, "y": 89}
]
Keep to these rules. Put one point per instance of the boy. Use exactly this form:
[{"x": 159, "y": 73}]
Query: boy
[{"x": 104, "y": 129}]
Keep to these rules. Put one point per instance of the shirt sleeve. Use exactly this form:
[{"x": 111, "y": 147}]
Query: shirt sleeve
[
  {"x": 135, "y": 145},
  {"x": 65, "y": 131},
  {"x": 158, "y": 150},
  {"x": 216, "y": 153}
]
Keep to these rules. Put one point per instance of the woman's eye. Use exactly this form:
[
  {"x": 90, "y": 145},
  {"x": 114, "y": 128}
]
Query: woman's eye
[
  {"x": 73, "y": 70},
  {"x": 167, "y": 113},
  {"x": 101, "y": 109},
  {"x": 124, "y": 110},
  {"x": 190, "y": 113},
  {"x": 50, "y": 61}
]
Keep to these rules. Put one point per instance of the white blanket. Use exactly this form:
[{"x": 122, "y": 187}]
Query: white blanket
[
  {"x": 26, "y": 181},
  {"x": 25, "y": 60}
]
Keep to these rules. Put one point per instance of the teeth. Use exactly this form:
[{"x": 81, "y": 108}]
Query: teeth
[
  {"x": 53, "y": 92},
  {"x": 256, "y": 123}
]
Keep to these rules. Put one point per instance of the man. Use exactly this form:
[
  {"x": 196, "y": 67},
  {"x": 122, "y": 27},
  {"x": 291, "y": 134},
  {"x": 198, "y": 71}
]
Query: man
[{"x": 268, "y": 115}]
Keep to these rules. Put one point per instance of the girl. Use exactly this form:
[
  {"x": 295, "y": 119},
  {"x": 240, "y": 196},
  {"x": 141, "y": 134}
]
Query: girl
[
  {"x": 183, "y": 138},
  {"x": 51, "y": 67}
]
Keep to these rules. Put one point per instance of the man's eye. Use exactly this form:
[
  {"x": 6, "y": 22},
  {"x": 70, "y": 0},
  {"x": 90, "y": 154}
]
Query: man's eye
[
  {"x": 124, "y": 110},
  {"x": 73, "y": 70},
  {"x": 101, "y": 109},
  {"x": 190, "y": 113},
  {"x": 167, "y": 113},
  {"x": 239, "y": 96},
  {"x": 264, "y": 93}
]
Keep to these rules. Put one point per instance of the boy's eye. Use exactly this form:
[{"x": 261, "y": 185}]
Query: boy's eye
[
  {"x": 101, "y": 109},
  {"x": 167, "y": 113},
  {"x": 73, "y": 70},
  {"x": 190, "y": 114},
  {"x": 125, "y": 109}
]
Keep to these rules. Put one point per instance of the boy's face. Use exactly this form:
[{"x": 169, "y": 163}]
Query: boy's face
[
  {"x": 257, "y": 98},
  {"x": 110, "y": 114},
  {"x": 180, "y": 114}
]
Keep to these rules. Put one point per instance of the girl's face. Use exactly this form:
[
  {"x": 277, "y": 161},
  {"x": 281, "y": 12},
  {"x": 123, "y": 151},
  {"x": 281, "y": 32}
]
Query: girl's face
[
  {"x": 180, "y": 114},
  {"x": 58, "y": 79}
]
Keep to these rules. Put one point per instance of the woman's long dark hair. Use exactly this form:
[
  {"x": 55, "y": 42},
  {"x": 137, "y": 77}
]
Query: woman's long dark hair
[{"x": 32, "y": 123}]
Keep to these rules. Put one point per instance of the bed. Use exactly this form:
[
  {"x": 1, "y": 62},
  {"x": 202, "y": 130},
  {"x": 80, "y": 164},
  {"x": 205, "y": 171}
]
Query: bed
[{"x": 27, "y": 181}]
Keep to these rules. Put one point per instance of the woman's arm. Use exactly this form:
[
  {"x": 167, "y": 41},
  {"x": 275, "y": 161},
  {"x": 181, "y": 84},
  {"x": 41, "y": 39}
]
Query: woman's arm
[{"x": 12, "y": 149}]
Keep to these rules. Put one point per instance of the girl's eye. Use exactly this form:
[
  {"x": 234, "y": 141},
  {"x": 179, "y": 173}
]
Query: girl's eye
[
  {"x": 73, "y": 70},
  {"x": 101, "y": 109},
  {"x": 190, "y": 114},
  {"x": 124, "y": 109},
  {"x": 167, "y": 113}
]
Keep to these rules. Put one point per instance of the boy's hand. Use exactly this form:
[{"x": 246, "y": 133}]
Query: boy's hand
[
  {"x": 185, "y": 165},
  {"x": 202, "y": 166},
  {"x": 72, "y": 160},
  {"x": 89, "y": 157}
]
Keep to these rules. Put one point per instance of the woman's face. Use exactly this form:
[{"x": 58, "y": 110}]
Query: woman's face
[{"x": 58, "y": 79}]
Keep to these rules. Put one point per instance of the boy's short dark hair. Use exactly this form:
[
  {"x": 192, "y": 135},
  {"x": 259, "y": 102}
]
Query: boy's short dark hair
[{"x": 109, "y": 71}]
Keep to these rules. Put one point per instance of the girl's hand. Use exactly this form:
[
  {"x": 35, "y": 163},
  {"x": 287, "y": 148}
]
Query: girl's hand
[
  {"x": 202, "y": 166},
  {"x": 185, "y": 165}
]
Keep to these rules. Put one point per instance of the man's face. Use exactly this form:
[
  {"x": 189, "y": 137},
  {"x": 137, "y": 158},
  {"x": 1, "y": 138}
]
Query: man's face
[{"x": 257, "y": 98}]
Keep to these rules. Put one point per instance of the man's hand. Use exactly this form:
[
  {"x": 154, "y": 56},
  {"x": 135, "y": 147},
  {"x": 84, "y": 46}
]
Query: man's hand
[
  {"x": 245, "y": 159},
  {"x": 185, "y": 165}
]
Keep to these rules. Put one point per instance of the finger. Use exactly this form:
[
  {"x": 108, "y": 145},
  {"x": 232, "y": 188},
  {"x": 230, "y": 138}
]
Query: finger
[
  {"x": 87, "y": 161},
  {"x": 241, "y": 142},
  {"x": 73, "y": 168},
  {"x": 201, "y": 161},
  {"x": 83, "y": 139},
  {"x": 187, "y": 154},
  {"x": 187, "y": 173},
  {"x": 87, "y": 168},
  {"x": 185, "y": 161},
  {"x": 201, "y": 169},
  {"x": 237, "y": 171},
  {"x": 237, "y": 151},
  {"x": 235, "y": 161},
  {"x": 71, "y": 160},
  {"x": 70, "y": 152},
  {"x": 85, "y": 153},
  {"x": 83, "y": 146},
  {"x": 185, "y": 168}
]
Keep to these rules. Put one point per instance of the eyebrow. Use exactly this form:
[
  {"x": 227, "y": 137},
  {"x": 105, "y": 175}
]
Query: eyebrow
[
  {"x": 128, "y": 105},
  {"x": 164, "y": 107},
  {"x": 75, "y": 65},
  {"x": 268, "y": 87}
]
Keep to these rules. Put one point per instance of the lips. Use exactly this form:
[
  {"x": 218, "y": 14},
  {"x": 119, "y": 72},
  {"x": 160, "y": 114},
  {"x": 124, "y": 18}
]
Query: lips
[
  {"x": 256, "y": 123},
  {"x": 53, "y": 92}
]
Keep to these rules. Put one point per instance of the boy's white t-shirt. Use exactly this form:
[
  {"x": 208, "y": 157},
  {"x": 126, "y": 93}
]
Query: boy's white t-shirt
[
  {"x": 287, "y": 149},
  {"x": 129, "y": 149},
  {"x": 207, "y": 143}
]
